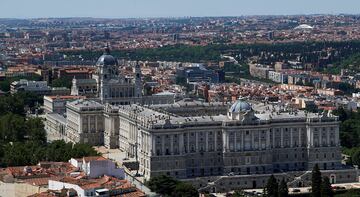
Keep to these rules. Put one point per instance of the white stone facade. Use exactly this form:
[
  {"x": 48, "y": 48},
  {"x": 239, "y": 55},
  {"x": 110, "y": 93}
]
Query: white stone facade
[
  {"x": 95, "y": 167},
  {"x": 244, "y": 142}
]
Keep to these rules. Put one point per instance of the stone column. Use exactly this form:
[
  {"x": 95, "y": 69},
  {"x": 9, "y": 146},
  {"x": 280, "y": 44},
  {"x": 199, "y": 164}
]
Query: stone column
[
  {"x": 242, "y": 141},
  {"x": 163, "y": 144},
  {"x": 291, "y": 138},
  {"x": 282, "y": 137},
  {"x": 196, "y": 142},
  {"x": 252, "y": 140},
  {"x": 148, "y": 143},
  {"x": 153, "y": 152},
  {"x": 259, "y": 134},
  {"x": 320, "y": 137},
  {"x": 312, "y": 137},
  {"x": 206, "y": 141},
  {"x": 268, "y": 145},
  {"x": 89, "y": 126},
  {"x": 337, "y": 136},
  {"x": 300, "y": 142},
  {"x": 328, "y": 137},
  {"x": 273, "y": 138},
  {"x": 181, "y": 143},
  {"x": 215, "y": 140},
  {"x": 224, "y": 140},
  {"x": 171, "y": 144},
  {"x": 235, "y": 141},
  {"x": 227, "y": 142},
  {"x": 188, "y": 142}
]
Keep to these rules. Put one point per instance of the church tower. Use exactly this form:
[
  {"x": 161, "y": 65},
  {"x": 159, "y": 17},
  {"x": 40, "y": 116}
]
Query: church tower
[
  {"x": 138, "y": 82},
  {"x": 105, "y": 71}
]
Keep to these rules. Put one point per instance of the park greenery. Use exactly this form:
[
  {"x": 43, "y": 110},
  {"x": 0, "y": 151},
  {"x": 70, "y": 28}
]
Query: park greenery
[
  {"x": 320, "y": 186},
  {"x": 275, "y": 189},
  {"x": 350, "y": 134},
  {"x": 62, "y": 82},
  {"x": 352, "y": 63},
  {"x": 5, "y": 84},
  {"x": 315, "y": 53},
  {"x": 170, "y": 187},
  {"x": 23, "y": 139}
]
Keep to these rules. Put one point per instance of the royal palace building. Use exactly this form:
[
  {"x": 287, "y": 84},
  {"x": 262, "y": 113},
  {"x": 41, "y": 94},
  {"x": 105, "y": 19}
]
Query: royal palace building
[
  {"x": 247, "y": 143},
  {"x": 215, "y": 146}
]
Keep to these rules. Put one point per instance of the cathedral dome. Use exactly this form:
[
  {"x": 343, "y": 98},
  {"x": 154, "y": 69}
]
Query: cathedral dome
[
  {"x": 106, "y": 59},
  {"x": 240, "y": 106}
]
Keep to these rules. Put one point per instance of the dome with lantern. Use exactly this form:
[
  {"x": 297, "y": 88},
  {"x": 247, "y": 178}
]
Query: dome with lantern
[
  {"x": 106, "y": 59},
  {"x": 241, "y": 110}
]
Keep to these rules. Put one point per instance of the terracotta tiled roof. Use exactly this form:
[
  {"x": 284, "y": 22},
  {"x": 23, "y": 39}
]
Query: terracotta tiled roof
[
  {"x": 94, "y": 158},
  {"x": 44, "y": 169},
  {"x": 41, "y": 181}
]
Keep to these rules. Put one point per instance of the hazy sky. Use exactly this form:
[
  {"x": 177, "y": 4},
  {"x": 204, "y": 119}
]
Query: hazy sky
[{"x": 165, "y": 8}]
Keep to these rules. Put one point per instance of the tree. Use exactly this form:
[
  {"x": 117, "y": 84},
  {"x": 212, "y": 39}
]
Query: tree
[
  {"x": 316, "y": 181},
  {"x": 355, "y": 157},
  {"x": 184, "y": 190},
  {"x": 350, "y": 193},
  {"x": 346, "y": 88},
  {"x": 163, "y": 184},
  {"x": 80, "y": 150},
  {"x": 342, "y": 113},
  {"x": 29, "y": 99},
  {"x": 238, "y": 193},
  {"x": 271, "y": 189},
  {"x": 349, "y": 134},
  {"x": 180, "y": 81},
  {"x": 11, "y": 104},
  {"x": 283, "y": 189},
  {"x": 31, "y": 152},
  {"x": 59, "y": 151},
  {"x": 326, "y": 190},
  {"x": 62, "y": 82},
  {"x": 35, "y": 130},
  {"x": 168, "y": 186},
  {"x": 14, "y": 155},
  {"x": 12, "y": 128}
]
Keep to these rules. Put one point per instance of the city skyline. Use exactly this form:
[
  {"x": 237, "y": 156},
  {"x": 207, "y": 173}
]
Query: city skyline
[{"x": 163, "y": 8}]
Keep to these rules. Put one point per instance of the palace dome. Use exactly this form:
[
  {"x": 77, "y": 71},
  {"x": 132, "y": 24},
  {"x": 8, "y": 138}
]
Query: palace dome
[{"x": 240, "y": 106}]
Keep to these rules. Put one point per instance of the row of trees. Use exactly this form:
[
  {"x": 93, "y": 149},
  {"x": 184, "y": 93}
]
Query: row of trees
[
  {"x": 320, "y": 187},
  {"x": 23, "y": 139},
  {"x": 349, "y": 127},
  {"x": 275, "y": 189},
  {"x": 350, "y": 134},
  {"x": 32, "y": 152},
  {"x": 170, "y": 187},
  {"x": 352, "y": 63},
  {"x": 16, "y": 128},
  {"x": 310, "y": 52}
]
